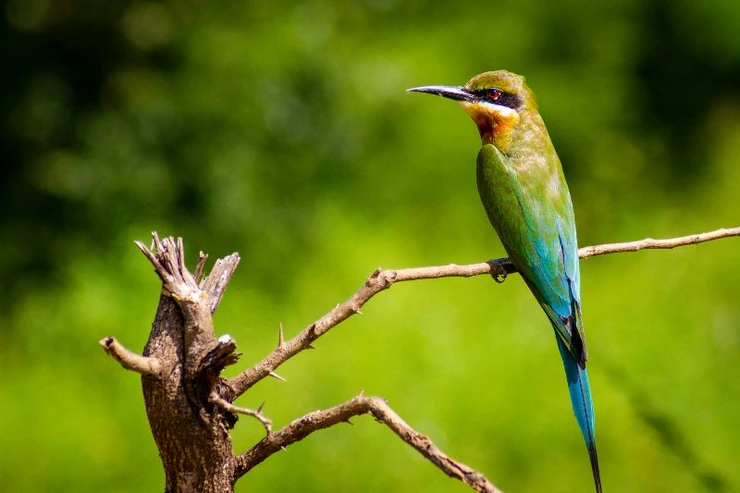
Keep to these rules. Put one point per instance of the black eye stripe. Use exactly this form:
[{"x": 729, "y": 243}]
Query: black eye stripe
[{"x": 501, "y": 98}]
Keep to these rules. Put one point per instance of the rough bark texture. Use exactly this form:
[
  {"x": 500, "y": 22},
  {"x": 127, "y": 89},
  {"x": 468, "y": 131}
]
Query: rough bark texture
[
  {"x": 192, "y": 435},
  {"x": 191, "y": 432}
]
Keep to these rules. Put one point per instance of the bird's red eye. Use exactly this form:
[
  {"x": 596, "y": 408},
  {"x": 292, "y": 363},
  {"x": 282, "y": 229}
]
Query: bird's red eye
[{"x": 494, "y": 94}]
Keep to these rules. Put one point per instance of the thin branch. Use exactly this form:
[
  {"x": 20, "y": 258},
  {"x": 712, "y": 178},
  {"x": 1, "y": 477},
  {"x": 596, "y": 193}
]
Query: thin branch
[
  {"x": 457, "y": 470},
  {"x": 650, "y": 243},
  {"x": 319, "y": 420},
  {"x": 130, "y": 360},
  {"x": 228, "y": 406},
  {"x": 381, "y": 280}
]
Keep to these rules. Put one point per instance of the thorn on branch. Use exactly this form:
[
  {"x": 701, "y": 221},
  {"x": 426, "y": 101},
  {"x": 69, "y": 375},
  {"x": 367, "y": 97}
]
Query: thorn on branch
[
  {"x": 281, "y": 337},
  {"x": 275, "y": 375},
  {"x": 258, "y": 415}
]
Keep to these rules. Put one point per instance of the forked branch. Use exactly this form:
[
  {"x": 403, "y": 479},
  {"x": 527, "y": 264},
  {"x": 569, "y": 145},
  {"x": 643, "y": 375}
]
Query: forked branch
[{"x": 379, "y": 409}]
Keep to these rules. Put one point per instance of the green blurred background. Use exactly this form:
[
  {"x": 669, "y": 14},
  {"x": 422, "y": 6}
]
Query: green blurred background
[{"x": 281, "y": 130}]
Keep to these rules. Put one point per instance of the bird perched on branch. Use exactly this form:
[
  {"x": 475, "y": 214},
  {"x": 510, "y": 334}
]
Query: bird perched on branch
[{"x": 522, "y": 187}]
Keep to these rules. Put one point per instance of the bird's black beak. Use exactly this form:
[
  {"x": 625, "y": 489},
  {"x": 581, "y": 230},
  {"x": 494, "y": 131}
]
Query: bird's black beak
[{"x": 455, "y": 93}]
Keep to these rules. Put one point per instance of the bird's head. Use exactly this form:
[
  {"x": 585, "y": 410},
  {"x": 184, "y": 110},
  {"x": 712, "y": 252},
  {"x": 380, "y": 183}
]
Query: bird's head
[{"x": 496, "y": 101}]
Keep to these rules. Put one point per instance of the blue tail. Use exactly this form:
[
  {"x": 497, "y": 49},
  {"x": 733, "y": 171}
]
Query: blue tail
[{"x": 583, "y": 406}]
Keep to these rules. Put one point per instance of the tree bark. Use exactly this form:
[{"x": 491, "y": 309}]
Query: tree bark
[
  {"x": 192, "y": 437},
  {"x": 190, "y": 429}
]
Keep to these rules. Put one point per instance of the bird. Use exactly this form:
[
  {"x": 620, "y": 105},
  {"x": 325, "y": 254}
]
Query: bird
[{"x": 526, "y": 198}]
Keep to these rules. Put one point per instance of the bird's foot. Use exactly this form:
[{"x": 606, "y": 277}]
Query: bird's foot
[{"x": 500, "y": 269}]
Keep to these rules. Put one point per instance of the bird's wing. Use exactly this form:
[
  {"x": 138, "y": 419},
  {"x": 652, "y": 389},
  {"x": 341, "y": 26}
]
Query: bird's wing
[{"x": 539, "y": 236}]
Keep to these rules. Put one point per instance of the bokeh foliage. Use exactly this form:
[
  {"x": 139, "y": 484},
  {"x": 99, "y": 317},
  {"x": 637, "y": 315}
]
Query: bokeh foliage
[{"x": 282, "y": 130}]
